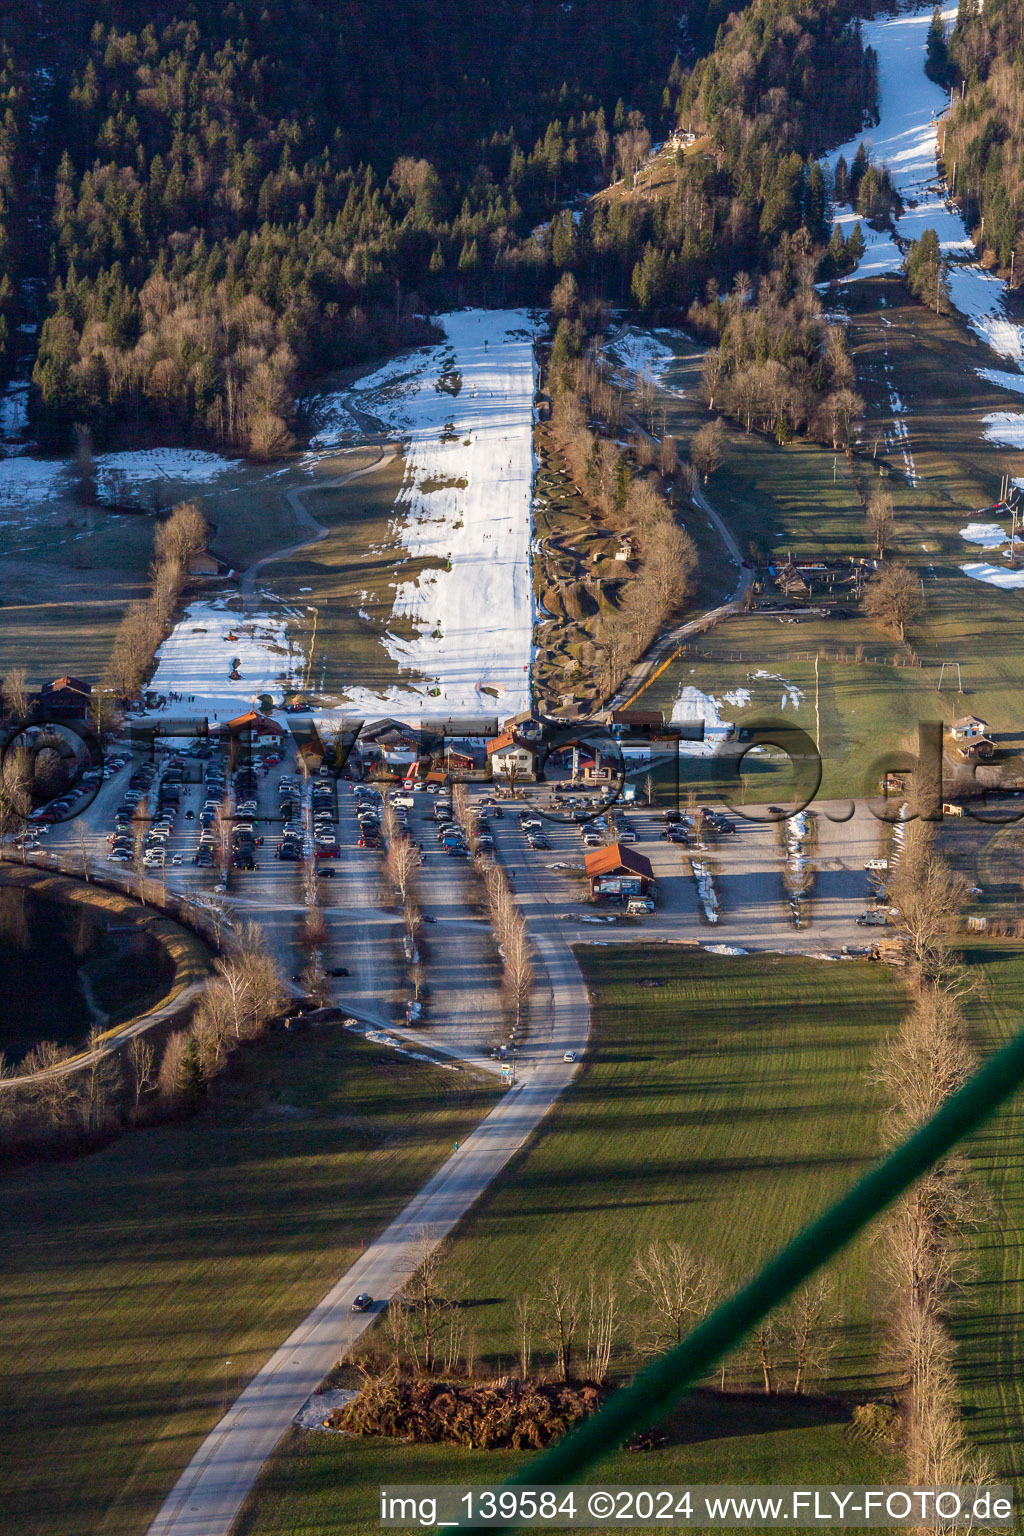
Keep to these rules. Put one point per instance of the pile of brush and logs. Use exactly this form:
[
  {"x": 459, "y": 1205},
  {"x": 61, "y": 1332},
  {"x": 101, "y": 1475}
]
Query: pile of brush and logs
[{"x": 480, "y": 1415}]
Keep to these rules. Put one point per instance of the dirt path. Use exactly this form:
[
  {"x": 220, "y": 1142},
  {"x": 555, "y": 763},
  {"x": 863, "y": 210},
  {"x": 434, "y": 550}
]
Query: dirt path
[
  {"x": 317, "y": 530},
  {"x": 662, "y": 651}
]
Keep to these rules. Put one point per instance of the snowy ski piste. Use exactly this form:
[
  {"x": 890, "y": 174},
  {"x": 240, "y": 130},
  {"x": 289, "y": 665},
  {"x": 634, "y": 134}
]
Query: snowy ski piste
[
  {"x": 905, "y": 141},
  {"x": 464, "y": 410}
]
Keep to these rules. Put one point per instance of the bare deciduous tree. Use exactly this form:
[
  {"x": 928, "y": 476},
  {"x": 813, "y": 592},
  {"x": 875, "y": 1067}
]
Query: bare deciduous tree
[
  {"x": 14, "y": 693},
  {"x": 601, "y": 1302},
  {"x": 879, "y": 514},
  {"x": 895, "y": 597},
  {"x": 562, "y": 1313},
  {"x": 141, "y": 1061},
  {"x": 424, "y": 1294},
  {"x": 675, "y": 1288},
  {"x": 809, "y": 1324},
  {"x": 708, "y": 448},
  {"x": 525, "y": 1312}
]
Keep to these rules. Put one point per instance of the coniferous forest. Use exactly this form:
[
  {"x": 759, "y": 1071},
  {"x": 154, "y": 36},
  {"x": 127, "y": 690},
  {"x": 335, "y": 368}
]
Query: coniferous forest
[{"x": 204, "y": 205}]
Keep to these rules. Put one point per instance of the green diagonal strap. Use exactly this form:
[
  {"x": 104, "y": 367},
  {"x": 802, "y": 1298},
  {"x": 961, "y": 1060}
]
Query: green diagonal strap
[{"x": 662, "y": 1383}]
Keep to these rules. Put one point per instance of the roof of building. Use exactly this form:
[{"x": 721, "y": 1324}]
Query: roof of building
[
  {"x": 966, "y": 721},
  {"x": 608, "y": 861},
  {"x": 253, "y": 720},
  {"x": 644, "y": 718},
  {"x": 505, "y": 740},
  {"x": 75, "y": 684}
]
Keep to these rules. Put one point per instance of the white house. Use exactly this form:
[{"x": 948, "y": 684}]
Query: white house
[
  {"x": 512, "y": 758},
  {"x": 968, "y": 728}
]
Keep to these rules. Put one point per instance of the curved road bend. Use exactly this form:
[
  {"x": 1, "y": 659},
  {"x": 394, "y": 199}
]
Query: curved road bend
[
  {"x": 247, "y": 580},
  {"x": 640, "y": 674},
  {"x": 210, "y": 1492}
]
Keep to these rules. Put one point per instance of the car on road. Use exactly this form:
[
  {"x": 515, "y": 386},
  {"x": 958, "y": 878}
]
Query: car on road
[
  {"x": 569, "y": 1056},
  {"x": 671, "y": 817},
  {"x": 326, "y": 874},
  {"x": 362, "y": 1303},
  {"x": 340, "y": 970},
  {"x": 776, "y": 810}
]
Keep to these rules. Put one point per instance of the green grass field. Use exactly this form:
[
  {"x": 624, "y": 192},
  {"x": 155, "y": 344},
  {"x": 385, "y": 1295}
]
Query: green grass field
[
  {"x": 353, "y": 574},
  {"x": 66, "y": 581},
  {"x": 722, "y": 1108},
  {"x": 321, "y": 1485},
  {"x": 804, "y": 499},
  {"x": 128, "y": 1278},
  {"x": 990, "y": 1326}
]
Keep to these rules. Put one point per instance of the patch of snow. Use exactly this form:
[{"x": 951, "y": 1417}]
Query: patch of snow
[
  {"x": 319, "y": 1404},
  {"x": 25, "y": 483},
  {"x": 978, "y": 295},
  {"x": 640, "y": 353},
  {"x": 1006, "y": 428},
  {"x": 196, "y": 657},
  {"x": 791, "y": 694},
  {"x": 335, "y": 426},
  {"x": 996, "y": 576},
  {"x": 988, "y": 535},
  {"x": 466, "y": 409},
  {"x": 692, "y": 705},
  {"x": 737, "y": 697},
  {"x": 881, "y": 253},
  {"x": 1014, "y": 381},
  {"x": 193, "y": 466},
  {"x": 724, "y": 949}
]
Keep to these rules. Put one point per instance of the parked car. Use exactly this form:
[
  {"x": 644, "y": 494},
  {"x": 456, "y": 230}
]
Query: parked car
[{"x": 340, "y": 970}]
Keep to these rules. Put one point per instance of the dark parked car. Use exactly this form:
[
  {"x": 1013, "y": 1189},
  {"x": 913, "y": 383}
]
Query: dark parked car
[
  {"x": 328, "y": 874},
  {"x": 340, "y": 970}
]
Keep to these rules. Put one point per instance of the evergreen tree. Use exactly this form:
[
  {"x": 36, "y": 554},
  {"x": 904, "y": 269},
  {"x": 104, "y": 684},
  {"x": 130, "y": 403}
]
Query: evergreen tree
[{"x": 937, "y": 51}]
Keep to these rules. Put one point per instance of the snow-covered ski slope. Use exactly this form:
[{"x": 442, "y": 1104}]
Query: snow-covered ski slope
[
  {"x": 464, "y": 410},
  {"x": 905, "y": 141}
]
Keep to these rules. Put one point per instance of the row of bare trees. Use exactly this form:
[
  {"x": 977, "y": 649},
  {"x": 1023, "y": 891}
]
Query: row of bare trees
[
  {"x": 401, "y": 871},
  {"x": 575, "y": 1324},
  {"x": 140, "y": 632},
  {"x": 924, "y": 1261},
  {"x": 509, "y": 928},
  {"x": 62, "y": 1095},
  {"x": 627, "y": 487},
  {"x": 236, "y": 1006}
]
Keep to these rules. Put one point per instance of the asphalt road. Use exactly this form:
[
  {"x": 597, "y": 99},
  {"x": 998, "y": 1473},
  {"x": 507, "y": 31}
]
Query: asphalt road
[{"x": 212, "y": 1489}]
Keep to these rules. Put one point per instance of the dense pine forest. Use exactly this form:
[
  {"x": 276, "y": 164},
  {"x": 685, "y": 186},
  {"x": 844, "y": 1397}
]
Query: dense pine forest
[{"x": 204, "y": 205}]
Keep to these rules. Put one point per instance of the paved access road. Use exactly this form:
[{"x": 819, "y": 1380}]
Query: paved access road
[{"x": 210, "y": 1492}]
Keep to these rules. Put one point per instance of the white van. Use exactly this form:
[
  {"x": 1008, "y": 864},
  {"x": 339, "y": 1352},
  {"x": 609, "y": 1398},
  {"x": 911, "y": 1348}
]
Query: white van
[{"x": 639, "y": 906}]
